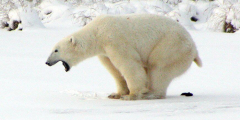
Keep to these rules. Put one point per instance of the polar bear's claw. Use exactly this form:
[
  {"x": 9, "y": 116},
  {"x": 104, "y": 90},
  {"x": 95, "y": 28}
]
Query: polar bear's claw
[{"x": 114, "y": 96}]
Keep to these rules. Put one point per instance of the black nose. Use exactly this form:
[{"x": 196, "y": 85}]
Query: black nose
[{"x": 48, "y": 63}]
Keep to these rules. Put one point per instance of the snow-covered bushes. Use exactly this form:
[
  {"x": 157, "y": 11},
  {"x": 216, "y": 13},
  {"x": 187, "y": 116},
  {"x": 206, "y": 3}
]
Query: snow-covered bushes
[
  {"x": 225, "y": 17},
  {"x": 218, "y": 15},
  {"x": 18, "y": 13},
  {"x": 5, "y": 7},
  {"x": 85, "y": 14}
]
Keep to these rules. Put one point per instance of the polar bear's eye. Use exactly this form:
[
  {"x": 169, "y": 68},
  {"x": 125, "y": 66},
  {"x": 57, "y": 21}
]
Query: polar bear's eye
[{"x": 56, "y": 51}]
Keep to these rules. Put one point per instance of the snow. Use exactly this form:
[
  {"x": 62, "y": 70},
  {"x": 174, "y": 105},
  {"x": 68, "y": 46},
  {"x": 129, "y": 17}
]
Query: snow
[
  {"x": 30, "y": 18},
  {"x": 30, "y": 89}
]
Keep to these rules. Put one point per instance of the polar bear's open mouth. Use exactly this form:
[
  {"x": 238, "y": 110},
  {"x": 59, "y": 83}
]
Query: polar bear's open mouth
[{"x": 67, "y": 67}]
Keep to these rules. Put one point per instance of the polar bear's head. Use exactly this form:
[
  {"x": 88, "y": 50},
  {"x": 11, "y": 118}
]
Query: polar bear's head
[{"x": 68, "y": 51}]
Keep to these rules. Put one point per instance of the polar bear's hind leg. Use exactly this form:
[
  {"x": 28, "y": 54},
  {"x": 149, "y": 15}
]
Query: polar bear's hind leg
[{"x": 167, "y": 63}]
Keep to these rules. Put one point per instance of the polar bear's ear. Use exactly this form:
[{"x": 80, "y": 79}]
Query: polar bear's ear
[{"x": 72, "y": 40}]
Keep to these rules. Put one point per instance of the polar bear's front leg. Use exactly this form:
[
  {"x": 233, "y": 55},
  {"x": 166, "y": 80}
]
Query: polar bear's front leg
[
  {"x": 129, "y": 64},
  {"x": 122, "y": 88}
]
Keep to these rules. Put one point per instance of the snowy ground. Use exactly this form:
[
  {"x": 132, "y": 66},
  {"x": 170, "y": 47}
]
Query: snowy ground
[{"x": 30, "y": 90}]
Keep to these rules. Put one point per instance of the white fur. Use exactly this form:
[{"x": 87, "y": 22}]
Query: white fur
[{"x": 142, "y": 52}]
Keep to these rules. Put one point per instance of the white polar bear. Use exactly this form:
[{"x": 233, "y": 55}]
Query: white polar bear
[{"x": 143, "y": 52}]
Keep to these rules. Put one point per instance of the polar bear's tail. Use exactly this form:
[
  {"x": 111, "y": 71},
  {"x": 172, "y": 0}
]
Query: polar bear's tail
[{"x": 198, "y": 61}]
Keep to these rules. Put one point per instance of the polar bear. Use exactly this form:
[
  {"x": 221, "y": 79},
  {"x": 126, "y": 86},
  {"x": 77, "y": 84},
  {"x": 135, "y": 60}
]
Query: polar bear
[{"x": 143, "y": 52}]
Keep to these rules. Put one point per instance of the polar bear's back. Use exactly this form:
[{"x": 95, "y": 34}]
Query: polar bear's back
[
  {"x": 140, "y": 28},
  {"x": 138, "y": 23},
  {"x": 141, "y": 31}
]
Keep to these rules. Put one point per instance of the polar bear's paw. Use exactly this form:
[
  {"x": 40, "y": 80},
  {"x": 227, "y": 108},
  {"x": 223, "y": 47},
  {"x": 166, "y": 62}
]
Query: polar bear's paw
[
  {"x": 129, "y": 97},
  {"x": 114, "y": 96},
  {"x": 146, "y": 96}
]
